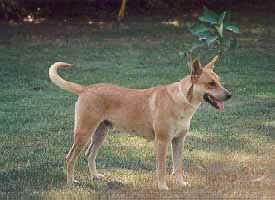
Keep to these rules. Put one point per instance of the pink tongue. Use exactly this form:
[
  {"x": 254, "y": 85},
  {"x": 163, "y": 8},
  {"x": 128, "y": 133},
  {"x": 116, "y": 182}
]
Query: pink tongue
[{"x": 220, "y": 105}]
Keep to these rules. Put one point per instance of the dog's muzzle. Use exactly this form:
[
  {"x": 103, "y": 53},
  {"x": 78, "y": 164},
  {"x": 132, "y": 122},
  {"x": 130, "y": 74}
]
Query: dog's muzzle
[{"x": 216, "y": 103}]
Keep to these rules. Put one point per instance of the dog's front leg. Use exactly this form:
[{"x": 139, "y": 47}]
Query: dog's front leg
[
  {"x": 161, "y": 149},
  {"x": 177, "y": 150}
]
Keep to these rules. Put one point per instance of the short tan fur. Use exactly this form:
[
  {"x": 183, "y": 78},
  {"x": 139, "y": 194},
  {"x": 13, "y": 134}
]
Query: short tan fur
[{"x": 161, "y": 113}]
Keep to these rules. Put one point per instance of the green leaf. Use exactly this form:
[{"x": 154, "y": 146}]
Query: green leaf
[
  {"x": 208, "y": 16},
  {"x": 228, "y": 16},
  {"x": 221, "y": 17},
  {"x": 205, "y": 35},
  {"x": 211, "y": 40},
  {"x": 198, "y": 28},
  {"x": 219, "y": 29},
  {"x": 196, "y": 45},
  {"x": 233, "y": 28}
]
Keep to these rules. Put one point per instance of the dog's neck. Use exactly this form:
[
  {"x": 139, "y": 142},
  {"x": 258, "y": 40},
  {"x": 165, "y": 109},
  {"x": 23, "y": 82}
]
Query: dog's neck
[{"x": 179, "y": 92}]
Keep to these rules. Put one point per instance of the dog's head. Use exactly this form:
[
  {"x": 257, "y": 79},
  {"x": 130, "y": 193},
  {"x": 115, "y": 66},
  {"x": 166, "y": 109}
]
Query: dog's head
[{"x": 207, "y": 85}]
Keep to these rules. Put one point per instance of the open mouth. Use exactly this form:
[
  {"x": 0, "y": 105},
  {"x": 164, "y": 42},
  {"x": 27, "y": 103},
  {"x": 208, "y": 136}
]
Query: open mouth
[{"x": 214, "y": 102}]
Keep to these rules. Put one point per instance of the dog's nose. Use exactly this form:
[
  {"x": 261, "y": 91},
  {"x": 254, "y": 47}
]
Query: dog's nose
[{"x": 228, "y": 95}]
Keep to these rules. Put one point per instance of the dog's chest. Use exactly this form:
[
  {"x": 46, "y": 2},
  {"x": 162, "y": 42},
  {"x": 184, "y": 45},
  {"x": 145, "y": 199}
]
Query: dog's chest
[
  {"x": 181, "y": 124},
  {"x": 179, "y": 127}
]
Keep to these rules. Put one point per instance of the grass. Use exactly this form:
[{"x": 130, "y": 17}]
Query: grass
[{"x": 229, "y": 154}]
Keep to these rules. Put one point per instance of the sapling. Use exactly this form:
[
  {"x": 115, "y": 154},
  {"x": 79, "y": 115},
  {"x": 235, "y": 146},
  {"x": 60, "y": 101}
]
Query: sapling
[{"x": 215, "y": 31}]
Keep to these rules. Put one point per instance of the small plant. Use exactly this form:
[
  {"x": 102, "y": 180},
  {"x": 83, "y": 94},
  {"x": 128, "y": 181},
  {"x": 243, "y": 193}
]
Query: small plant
[{"x": 214, "y": 30}]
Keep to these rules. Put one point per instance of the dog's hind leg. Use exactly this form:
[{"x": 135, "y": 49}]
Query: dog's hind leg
[
  {"x": 96, "y": 142},
  {"x": 85, "y": 125}
]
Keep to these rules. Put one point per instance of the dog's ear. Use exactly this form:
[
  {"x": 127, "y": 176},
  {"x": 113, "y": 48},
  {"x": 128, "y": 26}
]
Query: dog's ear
[
  {"x": 196, "y": 71},
  {"x": 210, "y": 65}
]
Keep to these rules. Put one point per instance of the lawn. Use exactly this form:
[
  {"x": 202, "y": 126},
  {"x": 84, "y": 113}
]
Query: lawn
[{"x": 227, "y": 154}]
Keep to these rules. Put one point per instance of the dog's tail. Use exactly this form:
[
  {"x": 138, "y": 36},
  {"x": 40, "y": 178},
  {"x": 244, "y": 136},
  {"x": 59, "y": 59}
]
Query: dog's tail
[{"x": 60, "y": 82}]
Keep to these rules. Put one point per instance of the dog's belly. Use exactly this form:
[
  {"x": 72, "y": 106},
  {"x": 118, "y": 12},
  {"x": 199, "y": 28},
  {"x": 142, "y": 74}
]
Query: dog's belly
[{"x": 134, "y": 129}]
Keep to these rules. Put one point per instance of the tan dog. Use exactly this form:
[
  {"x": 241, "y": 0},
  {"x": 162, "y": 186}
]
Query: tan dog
[{"x": 162, "y": 113}]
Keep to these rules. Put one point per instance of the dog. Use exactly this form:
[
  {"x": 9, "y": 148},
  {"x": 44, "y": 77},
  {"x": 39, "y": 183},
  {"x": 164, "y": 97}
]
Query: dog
[{"x": 161, "y": 113}]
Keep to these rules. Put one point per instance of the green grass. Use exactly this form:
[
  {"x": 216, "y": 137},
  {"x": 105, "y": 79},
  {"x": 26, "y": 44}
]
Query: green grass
[{"x": 229, "y": 154}]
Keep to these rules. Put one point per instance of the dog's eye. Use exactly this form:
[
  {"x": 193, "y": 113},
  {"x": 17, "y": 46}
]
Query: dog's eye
[{"x": 212, "y": 84}]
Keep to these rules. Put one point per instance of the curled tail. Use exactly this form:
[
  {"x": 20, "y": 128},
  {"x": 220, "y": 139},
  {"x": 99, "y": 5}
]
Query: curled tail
[{"x": 60, "y": 82}]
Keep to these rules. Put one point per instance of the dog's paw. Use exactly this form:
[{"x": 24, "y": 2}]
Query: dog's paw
[
  {"x": 163, "y": 186},
  {"x": 72, "y": 183},
  {"x": 180, "y": 181},
  {"x": 76, "y": 182},
  {"x": 97, "y": 176},
  {"x": 183, "y": 183}
]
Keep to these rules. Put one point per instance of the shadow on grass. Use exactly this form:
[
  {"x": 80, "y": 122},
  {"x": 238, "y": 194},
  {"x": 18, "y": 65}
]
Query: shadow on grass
[
  {"x": 221, "y": 144},
  {"x": 28, "y": 182},
  {"x": 33, "y": 180},
  {"x": 269, "y": 128}
]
